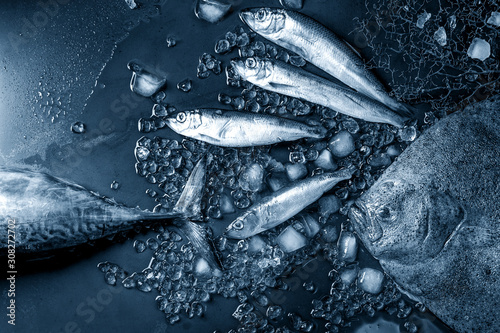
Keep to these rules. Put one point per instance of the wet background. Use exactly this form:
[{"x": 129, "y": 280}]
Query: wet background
[{"x": 65, "y": 61}]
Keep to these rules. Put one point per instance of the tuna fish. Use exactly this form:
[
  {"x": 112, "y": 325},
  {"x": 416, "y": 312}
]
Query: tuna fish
[
  {"x": 284, "y": 204},
  {"x": 320, "y": 46},
  {"x": 433, "y": 219},
  {"x": 240, "y": 129},
  {"x": 289, "y": 80},
  {"x": 46, "y": 213}
]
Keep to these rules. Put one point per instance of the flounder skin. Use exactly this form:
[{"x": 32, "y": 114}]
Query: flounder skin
[{"x": 433, "y": 219}]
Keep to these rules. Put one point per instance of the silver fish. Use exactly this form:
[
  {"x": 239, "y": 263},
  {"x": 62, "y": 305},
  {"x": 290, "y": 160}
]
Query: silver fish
[
  {"x": 289, "y": 80},
  {"x": 319, "y": 46},
  {"x": 433, "y": 219},
  {"x": 46, "y": 213},
  {"x": 284, "y": 204},
  {"x": 240, "y": 129}
]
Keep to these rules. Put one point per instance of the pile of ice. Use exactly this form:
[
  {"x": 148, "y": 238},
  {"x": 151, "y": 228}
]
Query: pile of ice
[{"x": 183, "y": 281}]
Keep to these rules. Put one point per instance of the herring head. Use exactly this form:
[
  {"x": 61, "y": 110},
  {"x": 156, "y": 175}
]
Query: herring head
[
  {"x": 183, "y": 122},
  {"x": 244, "y": 226},
  {"x": 264, "y": 21},
  {"x": 391, "y": 219},
  {"x": 251, "y": 69}
]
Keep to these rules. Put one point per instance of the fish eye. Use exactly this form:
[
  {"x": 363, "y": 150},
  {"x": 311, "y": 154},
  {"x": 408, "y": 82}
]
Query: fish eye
[
  {"x": 385, "y": 213},
  {"x": 181, "y": 117},
  {"x": 237, "y": 225},
  {"x": 250, "y": 63},
  {"x": 261, "y": 14}
]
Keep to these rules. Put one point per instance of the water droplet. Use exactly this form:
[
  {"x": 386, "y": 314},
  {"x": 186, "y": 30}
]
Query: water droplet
[{"x": 78, "y": 127}]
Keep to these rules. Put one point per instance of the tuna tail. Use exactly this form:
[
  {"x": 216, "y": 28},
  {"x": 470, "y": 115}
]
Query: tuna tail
[
  {"x": 189, "y": 203},
  {"x": 189, "y": 207},
  {"x": 201, "y": 240}
]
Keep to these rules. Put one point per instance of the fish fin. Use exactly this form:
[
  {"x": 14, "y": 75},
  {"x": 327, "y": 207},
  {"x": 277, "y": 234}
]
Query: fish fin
[
  {"x": 407, "y": 110},
  {"x": 198, "y": 236},
  {"x": 280, "y": 86},
  {"x": 353, "y": 49},
  {"x": 189, "y": 203},
  {"x": 486, "y": 237},
  {"x": 225, "y": 131}
]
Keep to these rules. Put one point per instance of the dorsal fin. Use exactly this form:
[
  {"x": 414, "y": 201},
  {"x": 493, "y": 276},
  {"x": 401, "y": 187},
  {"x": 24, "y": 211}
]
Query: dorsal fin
[{"x": 189, "y": 203}]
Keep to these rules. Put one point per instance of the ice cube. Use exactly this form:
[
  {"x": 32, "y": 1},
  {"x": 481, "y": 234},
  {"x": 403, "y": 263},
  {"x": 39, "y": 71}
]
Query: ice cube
[
  {"x": 291, "y": 240},
  {"x": 171, "y": 41},
  {"x": 342, "y": 144},
  {"x": 226, "y": 204},
  {"x": 329, "y": 234},
  {"x": 452, "y": 22},
  {"x": 348, "y": 246},
  {"x": 379, "y": 160},
  {"x": 277, "y": 180},
  {"x": 311, "y": 225},
  {"x": 479, "y": 49},
  {"x": 202, "y": 267},
  {"x": 185, "y": 85},
  {"x": 328, "y": 205},
  {"x": 131, "y": 4},
  {"x": 251, "y": 177},
  {"x": 494, "y": 19},
  {"x": 256, "y": 244},
  {"x": 295, "y": 171},
  {"x": 274, "y": 312},
  {"x": 293, "y": 4},
  {"x": 422, "y": 19},
  {"x": 408, "y": 133},
  {"x": 325, "y": 161},
  {"x": 348, "y": 274},
  {"x": 440, "y": 36},
  {"x": 370, "y": 280},
  {"x": 78, "y": 127},
  {"x": 145, "y": 81},
  {"x": 211, "y": 10}
]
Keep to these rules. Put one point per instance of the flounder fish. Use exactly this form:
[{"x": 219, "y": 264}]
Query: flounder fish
[{"x": 433, "y": 219}]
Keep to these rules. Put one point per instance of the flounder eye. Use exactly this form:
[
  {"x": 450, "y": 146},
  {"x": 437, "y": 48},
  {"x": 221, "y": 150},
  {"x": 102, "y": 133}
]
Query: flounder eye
[
  {"x": 250, "y": 63},
  {"x": 181, "y": 117},
  {"x": 385, "y": 213},
  {"x": 260, "y": 15},
  {"x": 237, "y": 225}
]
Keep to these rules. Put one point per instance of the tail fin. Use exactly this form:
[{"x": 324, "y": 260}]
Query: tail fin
[
  {"x": 346, "y": 173},
  {"x": 198, "y": 236},
  {"x": 407, "y": 111},
  {"x": 189, "y": 203}
]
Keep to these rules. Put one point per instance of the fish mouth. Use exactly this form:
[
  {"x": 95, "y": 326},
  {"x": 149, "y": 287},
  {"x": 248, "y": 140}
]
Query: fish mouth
[
  {"x": 246, "y": 15},
  {"x": 367, "y": 226},
  {"x": 239, "y": 66}
]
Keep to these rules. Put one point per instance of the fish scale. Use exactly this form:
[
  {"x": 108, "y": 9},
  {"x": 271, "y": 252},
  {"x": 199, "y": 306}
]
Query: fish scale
[
  {"x": 443, "y": 244},
  {"x": 52, "y": 214},
  {"x": 319, "y": 46},
  {"x": 240, "y": 129},
  {"x": 282, "y": 78},
  {"x": 284, "y": 204}
]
